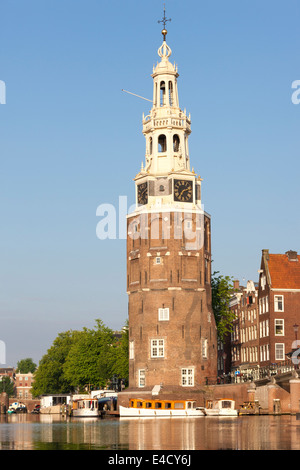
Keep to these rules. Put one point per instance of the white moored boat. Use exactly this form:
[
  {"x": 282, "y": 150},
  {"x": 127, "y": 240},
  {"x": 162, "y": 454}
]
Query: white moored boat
[
  {"x": 85, "y": 408},
  {"x": 160, "y": 408},
  {"x": 224, "y": 407}
]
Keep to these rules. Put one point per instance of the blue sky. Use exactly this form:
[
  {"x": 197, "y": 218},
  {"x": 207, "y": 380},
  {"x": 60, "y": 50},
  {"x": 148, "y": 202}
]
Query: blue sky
[{"x": 71, "y": 140}]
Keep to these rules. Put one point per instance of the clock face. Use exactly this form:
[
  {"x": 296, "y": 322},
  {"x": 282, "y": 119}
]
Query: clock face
[
  {"x": 142, "y": 193},
  {"x": 183, "y": 191}
]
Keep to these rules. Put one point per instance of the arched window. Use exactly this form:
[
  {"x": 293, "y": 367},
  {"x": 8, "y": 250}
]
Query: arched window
[
  {"x": 171, "y": 93},
  {"x": 176, "y": 143},
  {"x": 162, "y": 143},
  {"x": 162, "y": 93}
]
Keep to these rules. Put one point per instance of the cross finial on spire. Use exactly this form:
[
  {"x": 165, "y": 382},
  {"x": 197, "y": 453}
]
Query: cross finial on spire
[{"x": 164, "y": 21}]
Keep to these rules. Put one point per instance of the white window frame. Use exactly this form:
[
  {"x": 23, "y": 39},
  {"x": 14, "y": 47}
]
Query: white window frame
[
  {"x": 163, "y": 314},
  {"x": 131, "y": 349},
  {"x": 279, "y": 351},
  {"x": 276, "y": 302},
  {"x": 187, "y": 377},
  {"x": 204, "y": 348},
  {"x": 142, "y": 378},
  {"x": 279, "y": 321},
  {"x": 157, "y": 348}
]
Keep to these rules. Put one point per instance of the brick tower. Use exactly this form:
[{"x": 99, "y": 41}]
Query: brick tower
[{"x": 172, "y": 331}]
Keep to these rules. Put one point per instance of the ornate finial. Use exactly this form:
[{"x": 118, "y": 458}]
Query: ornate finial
[{"x": 164, "y": 21}]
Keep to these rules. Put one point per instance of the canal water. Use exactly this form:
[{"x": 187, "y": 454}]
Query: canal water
[{"x": 46, "y": 432}]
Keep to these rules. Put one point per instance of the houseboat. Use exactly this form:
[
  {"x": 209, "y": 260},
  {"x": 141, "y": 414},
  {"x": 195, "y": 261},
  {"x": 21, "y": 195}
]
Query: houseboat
[
  {"x": 85, "y": 408},
  {"x": 160, "y": 408},
  {"x": 224, "y": 407}
]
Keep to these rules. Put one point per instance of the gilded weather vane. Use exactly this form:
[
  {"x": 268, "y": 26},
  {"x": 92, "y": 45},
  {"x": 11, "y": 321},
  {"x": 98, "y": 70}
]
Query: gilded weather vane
[{"x": 164, "y": 21}]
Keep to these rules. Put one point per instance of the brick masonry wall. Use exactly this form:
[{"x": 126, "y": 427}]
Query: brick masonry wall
[
  {"x": 178, "y": 282},
  {"x": 268, "y": 396}
]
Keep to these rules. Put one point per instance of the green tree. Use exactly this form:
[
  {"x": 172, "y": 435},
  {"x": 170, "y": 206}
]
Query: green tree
[
  {"x": 91, "y": 358},
  {"x": 121, "y": 364},
  {"x": 222, "y": 290},
  {"x": 6, "y": 385},
  {"x": 26, "y": 365},
  {"x": 49, "y": 377},
  {"x": 78, "y": 359}
]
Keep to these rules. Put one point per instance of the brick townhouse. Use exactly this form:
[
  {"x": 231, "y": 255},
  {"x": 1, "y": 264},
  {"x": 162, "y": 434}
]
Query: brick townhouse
[
  {"x": 279, "y": 305},
  {"x": 243, "y": 347},
  {"x": 267, "y": 316},
  {"x": 23, "y": 384}
]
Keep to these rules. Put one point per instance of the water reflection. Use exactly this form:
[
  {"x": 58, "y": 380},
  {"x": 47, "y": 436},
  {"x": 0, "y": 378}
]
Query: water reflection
[{"x": 27, "y": 432}]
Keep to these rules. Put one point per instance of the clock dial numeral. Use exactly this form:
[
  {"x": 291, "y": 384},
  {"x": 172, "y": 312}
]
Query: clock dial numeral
[
  {"x": 142, "y": 191},
  {"x": 183, "y": 191}
]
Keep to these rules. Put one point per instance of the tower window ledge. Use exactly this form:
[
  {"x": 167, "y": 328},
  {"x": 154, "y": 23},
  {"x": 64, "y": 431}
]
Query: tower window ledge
[{"x": 156, "y": 248}]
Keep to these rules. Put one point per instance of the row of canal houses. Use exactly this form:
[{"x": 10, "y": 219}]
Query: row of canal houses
[{"x": 267, "y": 317}]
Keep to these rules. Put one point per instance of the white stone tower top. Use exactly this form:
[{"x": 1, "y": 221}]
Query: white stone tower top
[{"x": 166, "y": 129}]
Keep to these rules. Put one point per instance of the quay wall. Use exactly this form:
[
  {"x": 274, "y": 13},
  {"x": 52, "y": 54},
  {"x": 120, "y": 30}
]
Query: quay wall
[
  {"x": 272, "y": 398},
  {"x": 237, "y": 392},
  {"x": 29, "y": 403}
]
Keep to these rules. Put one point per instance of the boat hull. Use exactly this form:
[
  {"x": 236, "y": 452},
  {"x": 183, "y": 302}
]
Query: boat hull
[
  {"x": 209, "y": 412},
  {"x": 85, "y": 413},
  {"x": 216, "y": 412},
  {"x": 144, "y": 413},
  {"x": 223, "y": 407}
]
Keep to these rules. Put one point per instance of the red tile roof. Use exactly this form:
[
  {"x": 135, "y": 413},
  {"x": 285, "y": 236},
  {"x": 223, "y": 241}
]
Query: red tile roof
[{"x": 285, "y": 274}]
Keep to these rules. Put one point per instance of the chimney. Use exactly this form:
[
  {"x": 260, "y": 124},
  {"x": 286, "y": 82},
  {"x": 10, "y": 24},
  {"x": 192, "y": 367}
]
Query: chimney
[
  {"x": 265, "y": 254},
  {"x": 292, "y": 255},
  {"x": 236, "y": 284}
]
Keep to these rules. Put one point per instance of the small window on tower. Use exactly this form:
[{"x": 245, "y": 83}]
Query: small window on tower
[
  {"x": 162, "y": 143},
  {"x": 176, "y": 143},
  {"x": 163, "y": 314},
  {"x": 131, "y": 349},
  {"x": 171, "y": 93},
  {"x": 142, "y": 377},
  {"x": 158, "y": 260},
  {"x": 162, "y": 94}
]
